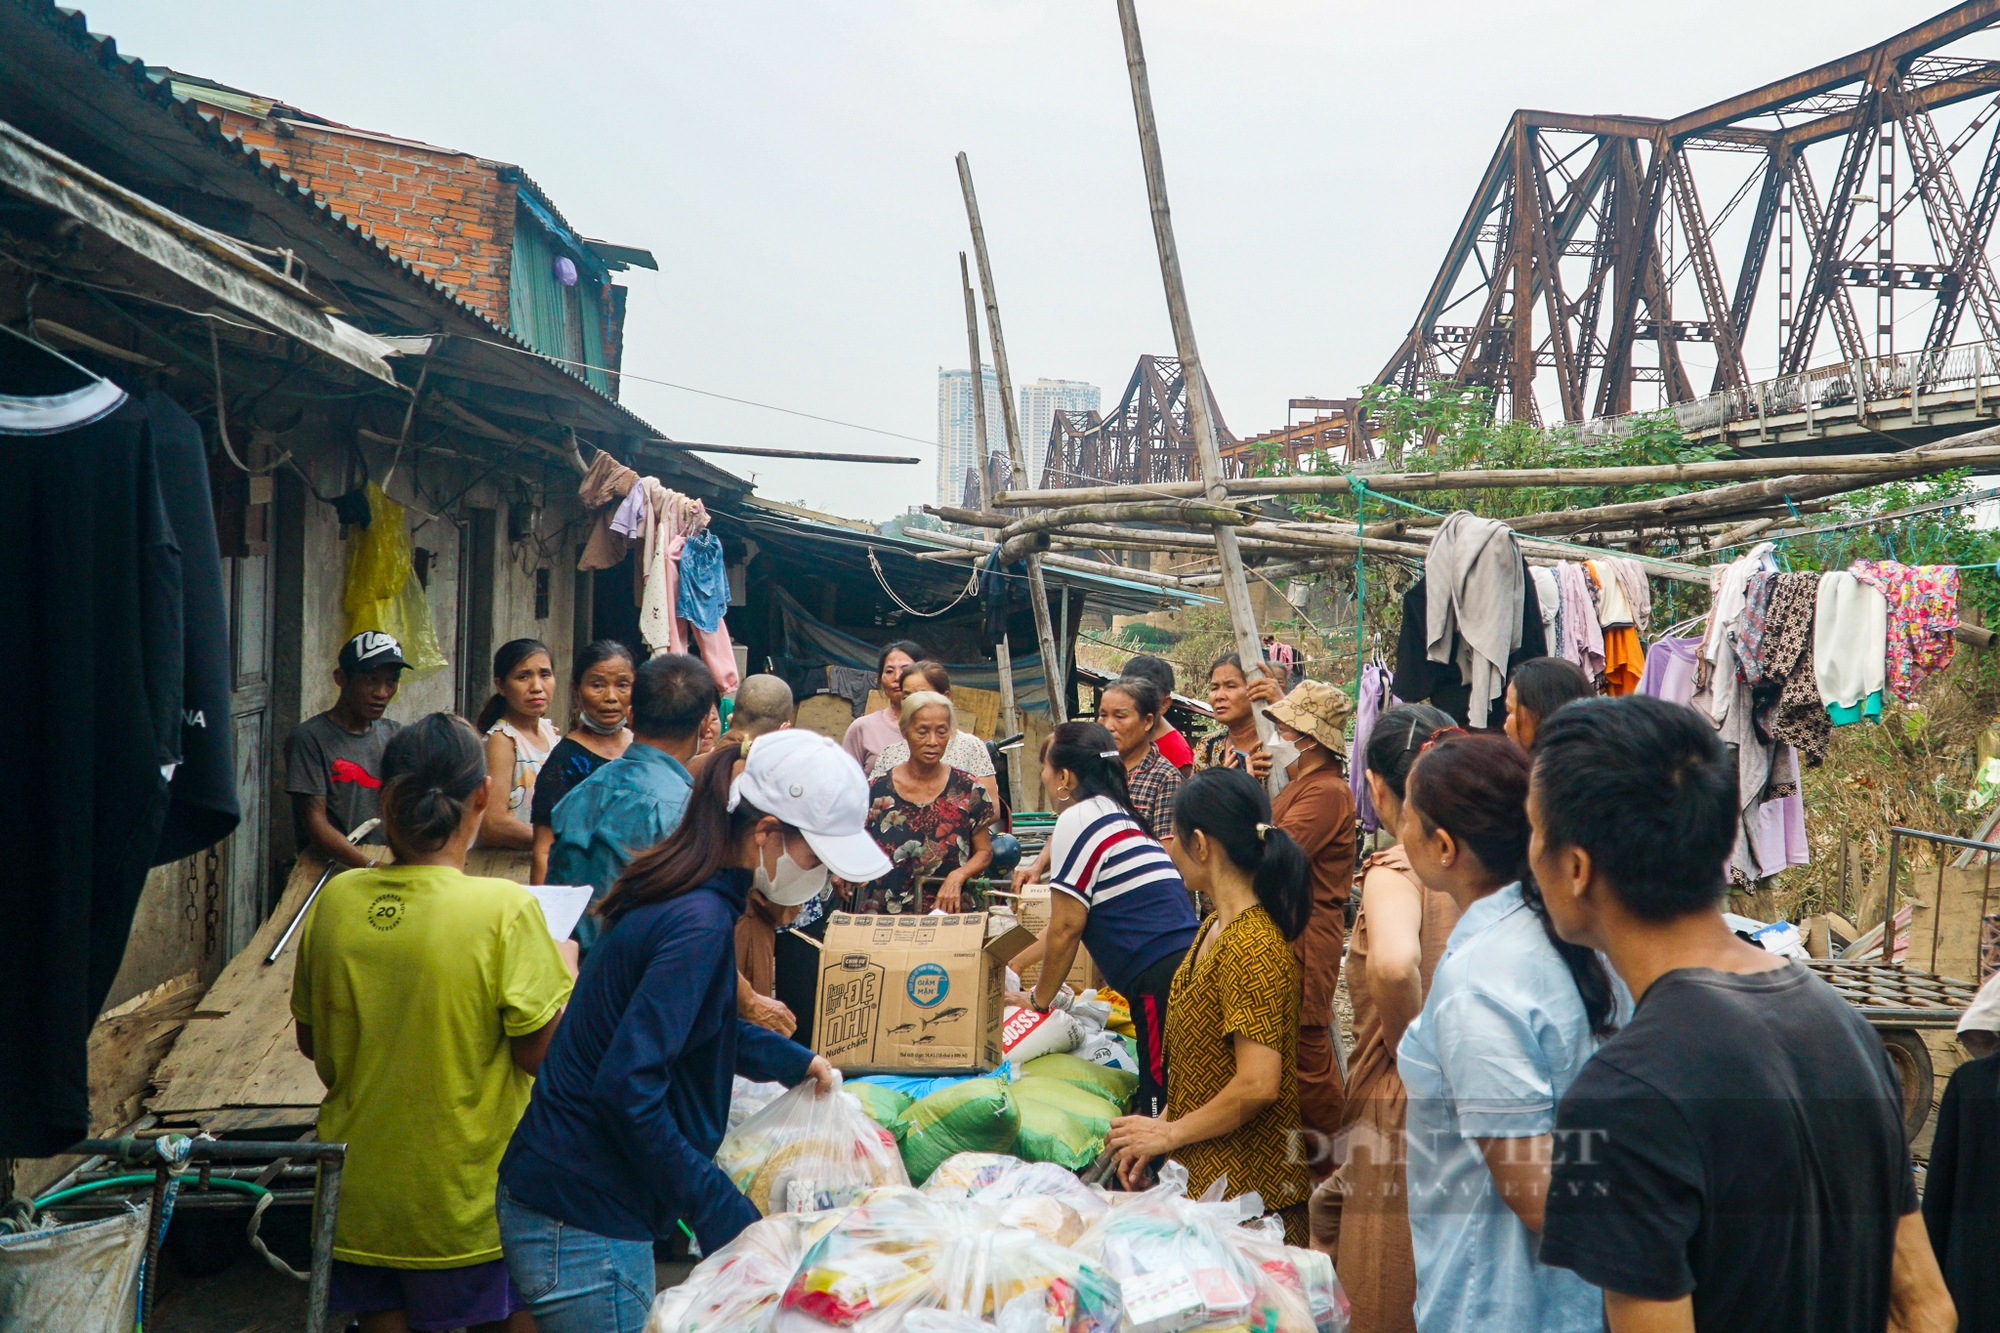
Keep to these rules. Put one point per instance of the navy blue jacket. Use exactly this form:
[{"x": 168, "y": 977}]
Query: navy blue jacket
[{"x": 633, "y": 1098}]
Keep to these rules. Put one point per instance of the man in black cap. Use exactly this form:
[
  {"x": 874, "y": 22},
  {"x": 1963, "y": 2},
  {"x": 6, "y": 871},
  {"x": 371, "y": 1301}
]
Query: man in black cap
[{"x": 333, "y": 762}]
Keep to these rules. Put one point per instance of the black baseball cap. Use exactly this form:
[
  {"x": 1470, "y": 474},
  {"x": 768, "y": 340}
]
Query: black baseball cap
[{"x": 371, "y": 650}]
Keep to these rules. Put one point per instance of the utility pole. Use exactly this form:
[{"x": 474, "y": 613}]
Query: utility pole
[
  {"x": 1235, "y": 590},
  {"x": 1010, "y": 716},
  {"x": 1056, "y": 690}
]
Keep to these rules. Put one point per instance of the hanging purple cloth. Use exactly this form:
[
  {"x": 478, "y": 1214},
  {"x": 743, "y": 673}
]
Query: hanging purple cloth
[
  {"x": 1669, "y": 670},
  {"x": 1368, "y": 707}
]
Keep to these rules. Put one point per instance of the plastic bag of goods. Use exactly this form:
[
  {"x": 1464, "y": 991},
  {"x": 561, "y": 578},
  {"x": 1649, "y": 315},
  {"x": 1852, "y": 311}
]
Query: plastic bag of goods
[
  {"x": 1029, "y": 1180},
  {"x": 1109, "y": 1050},
  {"x": 958, "y": 1176},
  {"x": 1302, "y": 1281},
  {"x": 747, "y": 1098},
  {"x": 808, "y": 1151},
  {"x": 884, "y": 1105},
  {"x": 1177, "y": 1269},
  {"x": 737, "y": 1289},
  {"x": 1026, "y": 1034},
  {"x": 977, "y": 1115},
  {"x": 876, "y": 1265},
  {"x": 1120, "y": 1020},
  {"x": 1023, "y": 1282},
  {"x": 1114, "y": 1085}
]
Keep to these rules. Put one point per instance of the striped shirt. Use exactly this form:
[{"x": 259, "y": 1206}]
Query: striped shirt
[{"x": 1139, "y": 909}]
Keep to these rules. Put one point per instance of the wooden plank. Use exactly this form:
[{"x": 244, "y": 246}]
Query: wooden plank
[{"x": 126, "y": 1045}]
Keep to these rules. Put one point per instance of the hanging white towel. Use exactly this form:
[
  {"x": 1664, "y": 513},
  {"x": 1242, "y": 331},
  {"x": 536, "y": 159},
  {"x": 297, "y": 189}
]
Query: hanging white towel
[
  {"x": 1473, "y": 612},
  {"x": 1850, "y": 634}
]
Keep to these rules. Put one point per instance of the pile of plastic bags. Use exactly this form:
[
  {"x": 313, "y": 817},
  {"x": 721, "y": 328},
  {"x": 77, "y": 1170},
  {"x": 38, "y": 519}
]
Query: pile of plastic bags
[{"x": 982, "y": 1249}]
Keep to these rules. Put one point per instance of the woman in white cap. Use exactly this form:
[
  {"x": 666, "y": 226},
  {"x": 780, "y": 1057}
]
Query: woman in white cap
[{"x": 618, "y": 1143}]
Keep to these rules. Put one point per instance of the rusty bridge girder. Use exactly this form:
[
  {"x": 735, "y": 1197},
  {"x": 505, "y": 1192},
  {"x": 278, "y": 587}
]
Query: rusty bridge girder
[{"x": 1604, "y": 252}]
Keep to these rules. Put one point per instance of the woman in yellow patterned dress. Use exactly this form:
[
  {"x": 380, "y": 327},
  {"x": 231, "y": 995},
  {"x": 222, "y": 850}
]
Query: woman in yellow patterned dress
[{"x": 1233, "y": 1016}]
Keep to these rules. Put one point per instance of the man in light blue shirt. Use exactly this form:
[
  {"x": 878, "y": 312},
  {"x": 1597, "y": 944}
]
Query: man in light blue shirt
[{"x": 637, "y": 799}]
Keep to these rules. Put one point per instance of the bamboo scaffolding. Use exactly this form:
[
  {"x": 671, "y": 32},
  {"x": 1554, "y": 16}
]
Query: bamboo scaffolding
[{"x": 1003, "y": 657}]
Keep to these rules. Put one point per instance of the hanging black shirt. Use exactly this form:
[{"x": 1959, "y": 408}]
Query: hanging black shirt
[
  {"x": 202, "y": 808},
  {"x": 1420, "y": 680},
  {"x": 1741, "y": 1140},
  {"x": 88, "y": 557}
]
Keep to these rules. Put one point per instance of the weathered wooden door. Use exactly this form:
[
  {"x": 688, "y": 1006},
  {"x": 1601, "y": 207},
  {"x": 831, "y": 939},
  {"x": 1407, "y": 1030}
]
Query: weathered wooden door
[{"x": 247, "y": 859}]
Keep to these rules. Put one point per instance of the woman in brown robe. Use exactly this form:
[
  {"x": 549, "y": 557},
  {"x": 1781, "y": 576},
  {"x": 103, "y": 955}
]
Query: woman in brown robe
[{"x": 1360, "y": 1214}]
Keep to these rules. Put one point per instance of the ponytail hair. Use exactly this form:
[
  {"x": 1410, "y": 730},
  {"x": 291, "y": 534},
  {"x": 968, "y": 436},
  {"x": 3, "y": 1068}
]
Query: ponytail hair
[
  {"x": 1087, "y": 750},
  {"x": 1399, "y": 736},
  {"x": 511, "y": 654},
  {"x": 1475, "y": 787},
  {"x": 690, "y": 856},
  {"x": 430, "y": 770},
  {"x": 1230, "y": 807}
]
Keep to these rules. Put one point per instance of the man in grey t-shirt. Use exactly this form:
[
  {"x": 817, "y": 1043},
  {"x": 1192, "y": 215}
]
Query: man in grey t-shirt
[{"x": 333, "y": 762}]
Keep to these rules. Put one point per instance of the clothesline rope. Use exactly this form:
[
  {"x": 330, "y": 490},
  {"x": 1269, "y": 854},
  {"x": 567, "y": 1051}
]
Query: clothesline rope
[{"x": 971, "y": 586}]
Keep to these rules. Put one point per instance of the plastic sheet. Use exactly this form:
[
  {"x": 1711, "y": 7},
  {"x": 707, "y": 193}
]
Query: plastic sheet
[
  {"x": 808, "y": 1151},
  {"x": 977, "y": 1115}
]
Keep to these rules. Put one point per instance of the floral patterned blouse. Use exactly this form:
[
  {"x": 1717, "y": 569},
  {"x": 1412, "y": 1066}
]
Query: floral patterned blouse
[
  {"x": 1923, "y": 614},
  {"x": 923, "y": 841}
]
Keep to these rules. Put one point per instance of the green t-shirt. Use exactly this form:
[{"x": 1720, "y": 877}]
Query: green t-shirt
[{"x": 412, "y": 979}]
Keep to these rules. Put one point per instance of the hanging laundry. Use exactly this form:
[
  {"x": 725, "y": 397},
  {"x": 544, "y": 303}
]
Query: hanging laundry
[
  {"x": 607, "y": 482},
  {"x": 1583, "y": 637},
  {"x": 1923, "y": 616},
  {"x": 1475, "y": 610},
  {"x": 1548, "y": 600},
  {"x": 1420, "y": 680},
  {"x": 1778, "y": 837},
  {"x": 704, "y": 582},
  {"x": 1638, "y": 593},
  {"x": 1611, "y": 607},
  {"x": 660, "y": 593},
  {"x": 1669, "y": 670},
  {"x": 1751, "y": 629},
  {"x": 1624, "y": 661},
  {"x": 1718, "y": 650},
  {"x": 1850, "y": 646},
  {"x": 1796, "y": 716},
  {"x": 1371, "y": 698}
]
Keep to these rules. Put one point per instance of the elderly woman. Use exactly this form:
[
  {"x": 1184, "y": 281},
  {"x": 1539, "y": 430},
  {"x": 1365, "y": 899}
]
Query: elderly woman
[
  {"x": 931, "y": 819},
  {"x": 966, "y": 753},
  {"x": 1129, "y": 708}
]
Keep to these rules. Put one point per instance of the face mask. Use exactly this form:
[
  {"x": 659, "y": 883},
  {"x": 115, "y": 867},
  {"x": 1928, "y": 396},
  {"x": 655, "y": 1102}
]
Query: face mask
[
  {"x": 1283, "y": 753},
  {"x": 791, "y": 883}
]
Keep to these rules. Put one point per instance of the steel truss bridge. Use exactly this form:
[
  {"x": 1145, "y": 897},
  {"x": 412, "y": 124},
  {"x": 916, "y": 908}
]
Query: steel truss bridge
[{"x": 1592, "y": 257}]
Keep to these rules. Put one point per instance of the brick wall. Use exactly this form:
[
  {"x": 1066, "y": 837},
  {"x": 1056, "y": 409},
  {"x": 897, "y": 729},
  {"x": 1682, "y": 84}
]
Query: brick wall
[{"x": 448, "y": 214}]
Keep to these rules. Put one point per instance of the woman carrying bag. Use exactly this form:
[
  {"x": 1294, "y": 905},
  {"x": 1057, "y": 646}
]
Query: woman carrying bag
[{"x": 617, "y": 1147}]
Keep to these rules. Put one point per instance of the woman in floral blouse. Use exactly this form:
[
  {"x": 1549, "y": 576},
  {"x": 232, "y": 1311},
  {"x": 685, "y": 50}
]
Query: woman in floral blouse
[{"x": 931, "y": 819}]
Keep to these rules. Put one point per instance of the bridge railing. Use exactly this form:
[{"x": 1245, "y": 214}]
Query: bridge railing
[{"x": 1908, "y": 375}]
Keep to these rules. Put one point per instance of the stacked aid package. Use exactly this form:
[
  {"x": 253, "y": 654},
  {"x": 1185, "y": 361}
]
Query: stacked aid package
[{"x": 996, "y": 1245}]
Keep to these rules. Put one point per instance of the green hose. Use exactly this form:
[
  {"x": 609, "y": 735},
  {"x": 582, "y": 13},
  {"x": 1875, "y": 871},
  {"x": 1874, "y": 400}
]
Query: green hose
[{"x": 217, "y": 1182}]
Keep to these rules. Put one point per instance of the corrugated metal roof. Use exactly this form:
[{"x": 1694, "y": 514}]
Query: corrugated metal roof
[{"x": 155, "y": 87}]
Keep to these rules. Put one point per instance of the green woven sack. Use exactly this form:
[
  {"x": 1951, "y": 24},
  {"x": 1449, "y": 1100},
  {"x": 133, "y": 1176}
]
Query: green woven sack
[
  {"x": 977, "y": 1115},
  {"x": 1051, "y": 1134},
  {"x": 1088, "y": 1106},
  {"x": 885, "y": 1106},
  {"x": 1115, "y": 1085}
]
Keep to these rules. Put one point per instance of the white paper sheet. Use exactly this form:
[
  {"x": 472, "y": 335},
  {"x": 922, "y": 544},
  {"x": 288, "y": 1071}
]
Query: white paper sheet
[{"x": 562, "y": 905}]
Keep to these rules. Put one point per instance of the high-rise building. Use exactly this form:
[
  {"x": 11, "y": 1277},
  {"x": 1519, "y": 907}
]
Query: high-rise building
[
  {"x": 1040, "y": 402},
  {"x": 958, "y": 435}
]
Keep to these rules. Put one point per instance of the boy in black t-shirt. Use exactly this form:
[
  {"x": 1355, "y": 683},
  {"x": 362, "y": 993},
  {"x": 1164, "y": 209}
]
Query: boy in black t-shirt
[
  {"x": 1734, "y": 1158},
  {"x": 333, "y": 762}
]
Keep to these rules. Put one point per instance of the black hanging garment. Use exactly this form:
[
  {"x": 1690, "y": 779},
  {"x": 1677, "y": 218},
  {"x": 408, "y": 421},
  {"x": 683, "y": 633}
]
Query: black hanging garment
[
  {"x": 93, "y": 573},
  {"x": 1420, "y": 680}
]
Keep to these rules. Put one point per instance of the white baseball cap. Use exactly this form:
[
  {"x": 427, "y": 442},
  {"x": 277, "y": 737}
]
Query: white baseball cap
[{"x": 810, "y": 783}]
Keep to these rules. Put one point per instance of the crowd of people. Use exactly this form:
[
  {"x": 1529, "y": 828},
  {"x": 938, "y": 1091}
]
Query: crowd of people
[{"x": 1573, "y": 1098}]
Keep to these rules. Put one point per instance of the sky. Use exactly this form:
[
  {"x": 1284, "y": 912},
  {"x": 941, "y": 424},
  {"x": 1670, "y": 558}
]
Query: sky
[{"x": 790, "y": 162}]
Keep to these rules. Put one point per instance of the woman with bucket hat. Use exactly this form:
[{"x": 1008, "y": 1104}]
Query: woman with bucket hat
[
  {"x": 616, "y": 1149},
  {"x": 1317, "y": 809}
]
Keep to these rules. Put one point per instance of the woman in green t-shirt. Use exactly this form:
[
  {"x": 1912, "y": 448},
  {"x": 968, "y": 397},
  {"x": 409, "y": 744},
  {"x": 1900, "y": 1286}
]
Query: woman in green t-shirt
[{"x": 426, "y": 1000}]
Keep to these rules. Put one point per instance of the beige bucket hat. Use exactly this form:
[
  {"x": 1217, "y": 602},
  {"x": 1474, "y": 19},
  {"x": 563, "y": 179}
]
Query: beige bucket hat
[{"x": 1318, "y": 710}]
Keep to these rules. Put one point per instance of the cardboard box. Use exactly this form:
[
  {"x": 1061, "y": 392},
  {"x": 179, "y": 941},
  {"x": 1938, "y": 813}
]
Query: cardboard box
[
  {"x": 1033, "y": 908},
  {"x": 912, "y": 993}
]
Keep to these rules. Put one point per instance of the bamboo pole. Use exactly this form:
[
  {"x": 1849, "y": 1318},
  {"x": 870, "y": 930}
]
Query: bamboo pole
[
  {"x": 1010, "y": 713},
  {"x": 972, "y": 546},
  {"x": 1235, "y": 590},
  {"x": 1976, "y": 448},
  {"x": 1056, "y": 690}
]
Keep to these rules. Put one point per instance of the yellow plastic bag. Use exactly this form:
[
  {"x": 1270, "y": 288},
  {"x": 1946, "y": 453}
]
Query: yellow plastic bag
[{"x": 382, "y": 591}]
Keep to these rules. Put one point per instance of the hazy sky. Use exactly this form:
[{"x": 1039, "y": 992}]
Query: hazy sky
[{"x": 791, "y": 165}]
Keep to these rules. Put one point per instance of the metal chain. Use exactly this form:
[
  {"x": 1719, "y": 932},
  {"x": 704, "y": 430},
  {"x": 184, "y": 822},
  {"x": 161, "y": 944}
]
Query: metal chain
[
  {"x": 212, "y": 917},
  {"x": 191, "y": 909}
]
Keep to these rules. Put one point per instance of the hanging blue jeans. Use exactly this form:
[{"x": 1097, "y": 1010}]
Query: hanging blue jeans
[{"x": 575, "y": 1281}]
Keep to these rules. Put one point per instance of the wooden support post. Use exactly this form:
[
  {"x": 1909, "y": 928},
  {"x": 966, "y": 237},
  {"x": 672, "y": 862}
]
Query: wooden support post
[
  {"x": 1010, "y": 713},
  {"x": 1235, "y": 590},
  {"x": 1045, "y": 636}
]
